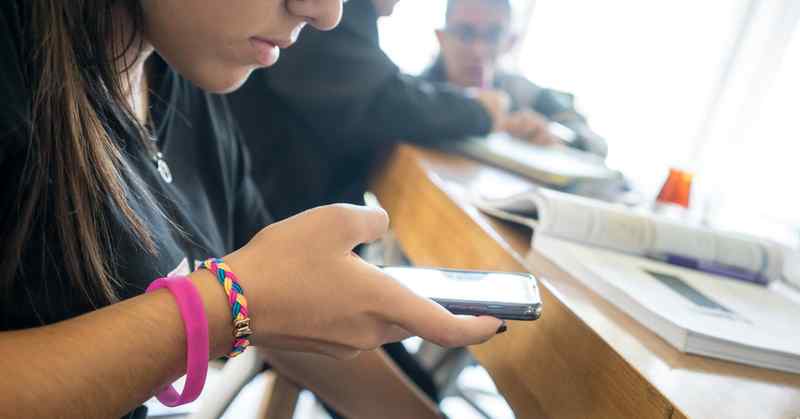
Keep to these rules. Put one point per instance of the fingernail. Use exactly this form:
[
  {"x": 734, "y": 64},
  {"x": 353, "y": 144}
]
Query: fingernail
[{"x": 503, "y": 327}]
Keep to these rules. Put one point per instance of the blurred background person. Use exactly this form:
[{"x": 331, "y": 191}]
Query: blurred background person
[
  {"x": 476, "y": 35},
  {"x": 323, "y": 117}
]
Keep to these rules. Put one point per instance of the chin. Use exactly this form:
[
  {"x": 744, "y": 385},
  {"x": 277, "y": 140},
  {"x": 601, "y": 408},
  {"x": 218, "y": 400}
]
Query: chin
[{"x": 224, "y": 81}]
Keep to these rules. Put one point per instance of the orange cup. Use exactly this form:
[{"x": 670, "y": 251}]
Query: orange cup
[{"x": 676, "y": 189}]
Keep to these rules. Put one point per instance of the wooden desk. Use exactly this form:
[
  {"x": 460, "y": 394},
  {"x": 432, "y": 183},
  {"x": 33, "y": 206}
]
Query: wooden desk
[{"x": 584, "y": 358}]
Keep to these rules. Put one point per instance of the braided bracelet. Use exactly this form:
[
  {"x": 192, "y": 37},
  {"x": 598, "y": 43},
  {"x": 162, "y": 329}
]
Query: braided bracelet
[{"x": 237, "y": 301}]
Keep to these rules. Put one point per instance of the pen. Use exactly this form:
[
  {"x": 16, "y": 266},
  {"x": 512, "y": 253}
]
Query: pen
[{"x": 713, "y": 268}]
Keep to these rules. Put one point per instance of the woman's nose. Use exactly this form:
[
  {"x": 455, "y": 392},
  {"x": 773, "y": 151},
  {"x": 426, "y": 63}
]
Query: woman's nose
[{"x": 321, "y": 14}]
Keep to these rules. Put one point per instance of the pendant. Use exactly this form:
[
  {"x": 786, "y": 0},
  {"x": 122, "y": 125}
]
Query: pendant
[{"x": 163, "y": 168}]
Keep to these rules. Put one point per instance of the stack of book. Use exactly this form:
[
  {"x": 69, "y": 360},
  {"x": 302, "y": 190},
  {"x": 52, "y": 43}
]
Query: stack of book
[{"x": 704, "y": 291}]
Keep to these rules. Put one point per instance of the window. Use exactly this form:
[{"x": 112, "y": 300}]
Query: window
[
  {"x": 408, "y": 35},
  {"x": 709, "y": 86}
]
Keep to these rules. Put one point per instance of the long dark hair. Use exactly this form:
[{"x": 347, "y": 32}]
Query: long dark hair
[{"x": 75, "y": 176}]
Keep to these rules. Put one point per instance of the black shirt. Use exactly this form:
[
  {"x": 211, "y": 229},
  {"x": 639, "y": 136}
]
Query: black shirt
[
  {"x": 211, "y": 198},
  {"x": 321, "y": 118}
]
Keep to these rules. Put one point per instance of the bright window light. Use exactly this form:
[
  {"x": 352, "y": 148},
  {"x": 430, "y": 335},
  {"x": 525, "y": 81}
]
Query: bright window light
[{"x": 646, "y": 73}]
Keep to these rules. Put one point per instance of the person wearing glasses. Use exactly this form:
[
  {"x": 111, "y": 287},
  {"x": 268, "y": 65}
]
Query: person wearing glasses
[{"x": 476, "y": 35}]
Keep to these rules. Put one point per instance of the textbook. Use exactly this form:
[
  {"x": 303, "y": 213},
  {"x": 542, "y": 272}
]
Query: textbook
[
  {"x": 637, "y": 232},
  {"x": 559, "y": 167},
  {"x": 695, "y": 312},
  {"x": 620, "y": 254}
]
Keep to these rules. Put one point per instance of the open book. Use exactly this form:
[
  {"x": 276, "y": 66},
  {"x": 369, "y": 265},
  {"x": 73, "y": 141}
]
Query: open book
[
  {"x": 619, "y": 253},
  {"x": 695, "y": 312},
  {"x": 622, "y": 229}
]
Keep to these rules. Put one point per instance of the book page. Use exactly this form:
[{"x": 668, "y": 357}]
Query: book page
[
  {"x": 734, "y": 251},
  {"x": 748, "y": 319},
  {"x": 726, "y": 249},
  {"x": 683, "y": 240},
  {"x": 519, "y": 208},
  {"x": 591, "y": 222},
  {"x": 619, "y": 228}
]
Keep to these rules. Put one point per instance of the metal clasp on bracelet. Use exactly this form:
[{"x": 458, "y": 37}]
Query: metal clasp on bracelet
[{"x": 241, "y": 328}]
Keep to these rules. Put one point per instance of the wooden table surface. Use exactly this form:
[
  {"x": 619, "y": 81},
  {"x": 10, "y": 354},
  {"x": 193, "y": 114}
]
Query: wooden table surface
[{"x": 584, "y": 357}]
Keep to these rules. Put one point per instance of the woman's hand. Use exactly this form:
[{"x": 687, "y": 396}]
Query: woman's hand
[{"x": 307, "y": 290}]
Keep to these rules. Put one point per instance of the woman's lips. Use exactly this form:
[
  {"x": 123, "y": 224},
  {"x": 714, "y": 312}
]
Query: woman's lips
[{"x": 267, "y": 52}]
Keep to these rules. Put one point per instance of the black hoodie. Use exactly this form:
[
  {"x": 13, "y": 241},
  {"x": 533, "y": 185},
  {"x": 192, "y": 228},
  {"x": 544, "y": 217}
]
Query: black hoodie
[{"x": 320, "y": 119}]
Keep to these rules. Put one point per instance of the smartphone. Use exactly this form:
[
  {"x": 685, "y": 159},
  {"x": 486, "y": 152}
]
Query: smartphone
[{"x": 505, "y": 295}]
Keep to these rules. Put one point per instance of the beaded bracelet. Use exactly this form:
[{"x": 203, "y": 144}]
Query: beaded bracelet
[{"x": 237, "y": 301}]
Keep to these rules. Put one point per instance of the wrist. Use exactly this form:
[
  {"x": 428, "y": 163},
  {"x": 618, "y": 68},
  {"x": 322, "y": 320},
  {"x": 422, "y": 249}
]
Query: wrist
[
  {"x": 217, "y": 312},
  {"x": 240, "y": 262}
]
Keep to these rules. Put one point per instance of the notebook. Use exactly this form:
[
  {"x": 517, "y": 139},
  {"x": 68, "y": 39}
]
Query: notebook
[
  {"x": 695, "y": 312},
  {"x": 560, "y": 167}
]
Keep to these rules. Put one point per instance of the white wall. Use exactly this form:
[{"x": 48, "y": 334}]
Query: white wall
[{"x": 645, "y": 72}]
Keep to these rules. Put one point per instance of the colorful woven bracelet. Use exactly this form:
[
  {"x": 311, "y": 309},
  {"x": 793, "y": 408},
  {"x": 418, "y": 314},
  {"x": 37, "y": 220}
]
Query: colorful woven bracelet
[{"x": 237, "y": 301}]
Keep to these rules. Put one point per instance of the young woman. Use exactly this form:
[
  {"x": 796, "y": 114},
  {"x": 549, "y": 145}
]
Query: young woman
[{"x": 117, "y": 171}]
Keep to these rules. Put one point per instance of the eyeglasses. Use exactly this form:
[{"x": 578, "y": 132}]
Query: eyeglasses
[{"x": 469, "y": 34}]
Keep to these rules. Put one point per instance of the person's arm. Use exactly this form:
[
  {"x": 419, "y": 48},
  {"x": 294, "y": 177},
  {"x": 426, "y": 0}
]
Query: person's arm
[
  {"x": 353, "y": 95},
  {"x": 554, "y": 106},
  {"x": 105, "y": 363},
  {"x": 412, "y": 109},
  {"x": 559, "y": 107}
]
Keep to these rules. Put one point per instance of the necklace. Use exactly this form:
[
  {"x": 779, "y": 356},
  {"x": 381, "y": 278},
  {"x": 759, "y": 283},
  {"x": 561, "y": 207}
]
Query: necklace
[
  {"x": 156, "y": 155},
  {"x": 162, "y": 167}
]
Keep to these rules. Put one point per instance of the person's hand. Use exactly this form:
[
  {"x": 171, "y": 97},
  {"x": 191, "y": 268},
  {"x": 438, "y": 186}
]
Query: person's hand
[
  {"x": 529, "y": 125},
  {"x": 496, "y": 104},
  {"x": 307, "y": 291}
]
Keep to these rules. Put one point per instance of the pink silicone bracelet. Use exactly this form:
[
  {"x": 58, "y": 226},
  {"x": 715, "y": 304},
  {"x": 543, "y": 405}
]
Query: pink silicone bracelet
[{"x": 196, "y": 324}]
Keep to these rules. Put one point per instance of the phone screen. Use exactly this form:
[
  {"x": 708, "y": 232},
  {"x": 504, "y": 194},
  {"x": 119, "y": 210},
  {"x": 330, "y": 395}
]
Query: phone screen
[{"x": 489, "y": 287}]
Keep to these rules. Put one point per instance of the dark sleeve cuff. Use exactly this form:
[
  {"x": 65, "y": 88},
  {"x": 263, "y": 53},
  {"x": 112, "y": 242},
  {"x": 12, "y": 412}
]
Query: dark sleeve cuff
[{"x": 483, "y": 123}]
